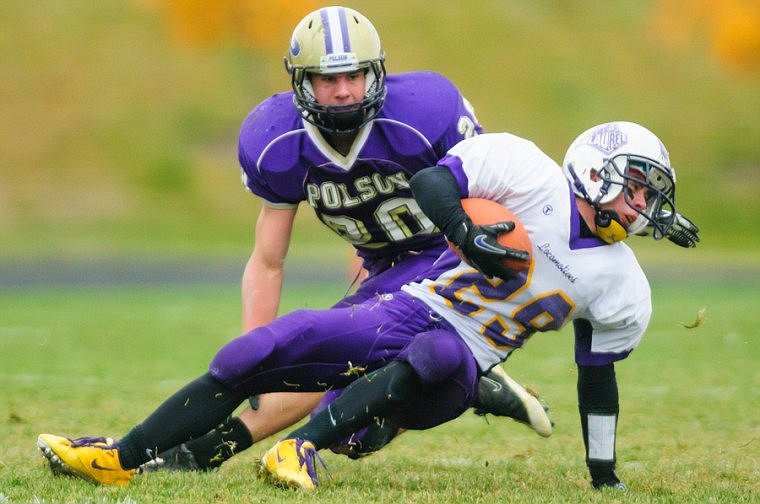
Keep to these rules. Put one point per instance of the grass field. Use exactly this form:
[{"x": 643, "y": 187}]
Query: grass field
[{"x": 96, "y": 360}]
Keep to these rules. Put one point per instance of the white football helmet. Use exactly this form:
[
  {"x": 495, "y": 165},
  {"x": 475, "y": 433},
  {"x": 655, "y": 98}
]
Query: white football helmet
[
  {"x": 336, "y": 40},
  {"x": 601, "y": 161}
]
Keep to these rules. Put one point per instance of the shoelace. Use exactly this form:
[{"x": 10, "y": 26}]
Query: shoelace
[
  {"x": 307, "y": 456},
  {"x": 91, "y": 441}
]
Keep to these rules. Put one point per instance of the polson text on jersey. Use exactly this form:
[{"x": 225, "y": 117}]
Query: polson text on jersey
[{"x": 336, "y": 195}]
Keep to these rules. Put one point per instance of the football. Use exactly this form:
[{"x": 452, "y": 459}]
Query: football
[{"x": 484, "y": 212}]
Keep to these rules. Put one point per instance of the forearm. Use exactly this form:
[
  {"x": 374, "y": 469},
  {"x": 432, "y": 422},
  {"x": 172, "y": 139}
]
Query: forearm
[
  {"x": 598, "y": 405},
  {"x": 439, "y": 196},
  {"x": 265, "y": 270},
  {"x": 437, "y": 193},
  {"x": 260, "y": 293}
]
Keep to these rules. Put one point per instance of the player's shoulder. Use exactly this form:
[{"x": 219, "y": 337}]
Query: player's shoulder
[
  {"x": 417, "y": 96},
  {"x": 270, "y": 120},
  {"x": 421, "y": 79},
  {"x": 269, "y": 150},
  {"x": 502, "y": 145},
  {"x": 275, "y": 112},
  {"x": 272, "y": 117},
  {"x": 423, "y": 88},
  {"x": 502, "y": 139}
]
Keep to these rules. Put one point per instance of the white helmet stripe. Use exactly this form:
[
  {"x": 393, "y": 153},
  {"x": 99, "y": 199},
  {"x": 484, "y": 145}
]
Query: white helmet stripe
[{"x": 336, "y": 30}]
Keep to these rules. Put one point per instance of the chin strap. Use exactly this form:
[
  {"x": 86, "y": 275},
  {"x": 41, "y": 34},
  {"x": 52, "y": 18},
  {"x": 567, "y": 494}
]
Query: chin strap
[{"x": 608, "y": 226}]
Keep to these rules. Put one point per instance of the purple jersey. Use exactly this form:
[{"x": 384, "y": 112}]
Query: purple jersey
[{"x": 363, "y": 196}]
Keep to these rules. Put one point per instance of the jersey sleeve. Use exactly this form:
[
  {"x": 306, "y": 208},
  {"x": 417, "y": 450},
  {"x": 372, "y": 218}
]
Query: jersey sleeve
[
  {"x": 268, "y": 152},
  {"x": 617, "y": 319},
  {"x": 462, "y": 122}
]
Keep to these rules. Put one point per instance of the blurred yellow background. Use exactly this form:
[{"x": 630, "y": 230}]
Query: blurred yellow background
[{"x": 120, "y": 119}]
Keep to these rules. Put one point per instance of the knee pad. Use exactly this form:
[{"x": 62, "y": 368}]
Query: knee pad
[
  {"x": 238, "y": 359},
  {"x": 436, "y": 355},
  {"x": 447, "y": 369}
]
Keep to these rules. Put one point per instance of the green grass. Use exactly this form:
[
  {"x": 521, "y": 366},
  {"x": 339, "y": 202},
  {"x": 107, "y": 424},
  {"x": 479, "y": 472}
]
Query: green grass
[{"x": 86, "y": 361}]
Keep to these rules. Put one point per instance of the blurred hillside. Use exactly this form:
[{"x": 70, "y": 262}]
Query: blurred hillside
[{"x": 120, "y": 119}]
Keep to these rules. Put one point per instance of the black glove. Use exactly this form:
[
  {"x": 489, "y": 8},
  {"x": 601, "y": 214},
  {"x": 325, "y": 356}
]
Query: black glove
[
  {"x": 606, "y": 478},
  {"x": 481, "y": 249},
  {"x": 683, "y": 232}
]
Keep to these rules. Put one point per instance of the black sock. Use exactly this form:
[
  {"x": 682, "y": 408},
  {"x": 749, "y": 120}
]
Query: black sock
[
  {"x": 221, "y": 444},
  {"x": 191, "y": 412},
  {"x": 371, "y": 398}
]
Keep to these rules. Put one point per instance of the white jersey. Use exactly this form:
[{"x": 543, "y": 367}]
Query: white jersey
[{"x": 572, "y": 277}]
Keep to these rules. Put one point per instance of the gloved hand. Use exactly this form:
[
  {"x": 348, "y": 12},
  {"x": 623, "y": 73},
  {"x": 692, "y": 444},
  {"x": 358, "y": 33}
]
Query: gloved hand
[
  {"x": 606, "y": 478},
  {"x": 683, "y": 232},
  {"x": 481, "y": 249}
]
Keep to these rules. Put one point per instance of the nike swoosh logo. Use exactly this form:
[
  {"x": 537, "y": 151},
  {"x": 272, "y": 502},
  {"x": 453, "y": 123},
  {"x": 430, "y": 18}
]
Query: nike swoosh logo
[
  {"x": 279, "y": 459},
  {"x": 495, "y": 386},
  {"x": 480, "y": 242},
  {"x": 97, "y": 466},
  {"x": 332, "y": 418}
]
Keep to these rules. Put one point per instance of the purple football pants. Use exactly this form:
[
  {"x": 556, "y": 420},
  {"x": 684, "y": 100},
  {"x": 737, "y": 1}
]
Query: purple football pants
[
  {"x": 385, "y": 274},
  {"x": 316, "y": 350}
]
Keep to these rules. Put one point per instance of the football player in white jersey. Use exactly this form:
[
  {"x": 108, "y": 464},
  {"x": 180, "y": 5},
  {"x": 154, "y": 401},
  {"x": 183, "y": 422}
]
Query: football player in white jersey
[
  {"x": 616, "y": 180},
  {"x": 414, "y": 357}
]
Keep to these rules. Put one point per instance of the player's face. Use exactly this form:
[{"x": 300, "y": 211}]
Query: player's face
[
  {"x": 634, "y": 196},
  {"x": 338, "y": 89}
]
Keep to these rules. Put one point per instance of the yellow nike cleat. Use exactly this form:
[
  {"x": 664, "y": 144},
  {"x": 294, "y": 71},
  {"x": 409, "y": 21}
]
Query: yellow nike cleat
[
  {"x": 93, "y": 459},
  {"x": 291, "y": 463}
]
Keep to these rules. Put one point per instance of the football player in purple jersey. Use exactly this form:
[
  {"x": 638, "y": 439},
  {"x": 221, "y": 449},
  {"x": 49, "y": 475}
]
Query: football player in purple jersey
[
  {"x": 345, "y": 142},
  {"x": 414, "y": 357}
]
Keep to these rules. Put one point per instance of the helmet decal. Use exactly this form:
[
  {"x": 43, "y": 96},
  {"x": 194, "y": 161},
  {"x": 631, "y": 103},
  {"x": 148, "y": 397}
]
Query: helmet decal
[
  {"x": 295, "y": 47},
  {"x": 607, "y": 138}
]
